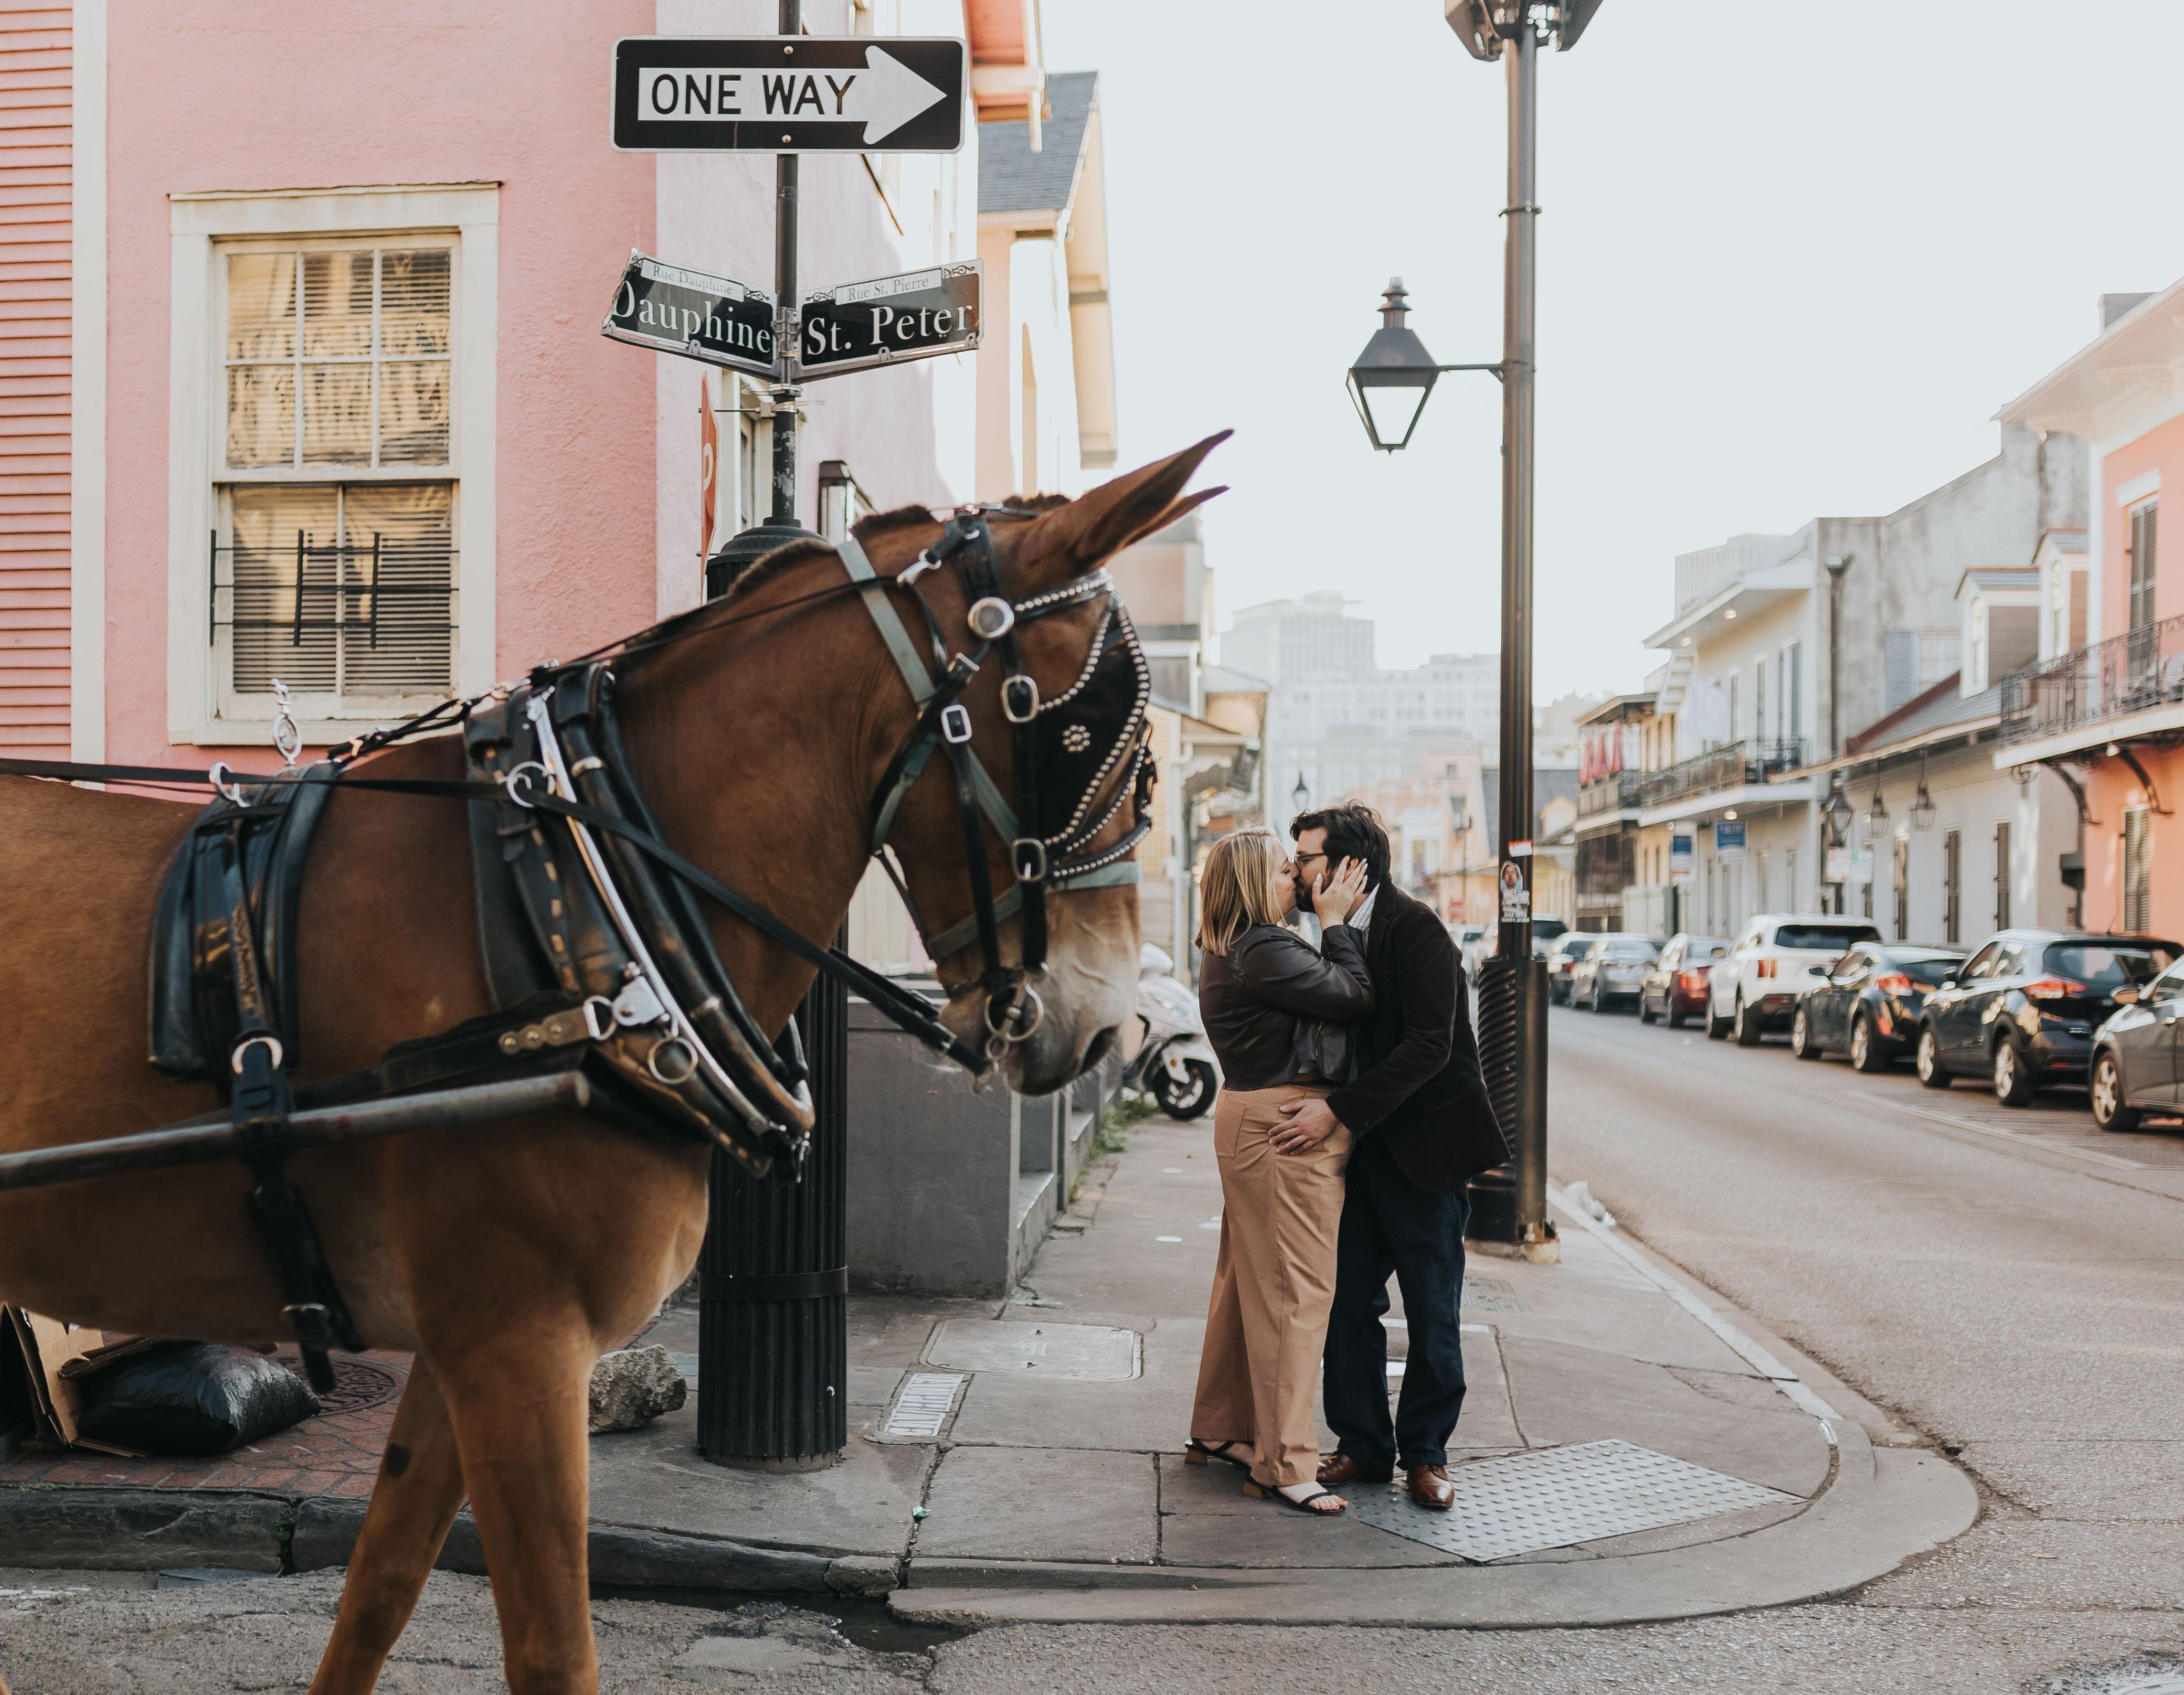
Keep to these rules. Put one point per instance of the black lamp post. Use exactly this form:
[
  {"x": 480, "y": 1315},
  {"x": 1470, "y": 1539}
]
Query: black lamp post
[
  {"x": 1300, "y": 796},
  {"x": 1388, "y": 384}
]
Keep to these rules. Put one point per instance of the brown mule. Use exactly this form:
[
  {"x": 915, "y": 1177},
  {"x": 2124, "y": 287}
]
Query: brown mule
[{"x": 509, "y": 1257}]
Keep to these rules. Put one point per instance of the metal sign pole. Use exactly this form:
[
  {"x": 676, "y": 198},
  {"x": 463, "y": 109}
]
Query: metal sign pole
[{"x": 773, "y": 1358}]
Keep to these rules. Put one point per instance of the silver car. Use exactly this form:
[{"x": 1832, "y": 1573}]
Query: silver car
[
  {"x": 1613, "y": 972},
  {"x": 2135, "y": 1069}
]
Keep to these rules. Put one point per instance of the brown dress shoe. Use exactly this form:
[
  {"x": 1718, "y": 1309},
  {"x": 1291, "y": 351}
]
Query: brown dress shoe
[
  {"x": 1339, "y": 1471},
  {"x": 1430, "y": 1487}
]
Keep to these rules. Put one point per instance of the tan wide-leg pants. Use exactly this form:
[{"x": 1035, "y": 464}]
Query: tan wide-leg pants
[{"x": 1272, "y": 1285}]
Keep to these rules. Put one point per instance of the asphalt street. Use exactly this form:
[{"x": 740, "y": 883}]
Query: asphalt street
[{"x": 2006, "y": 1284}]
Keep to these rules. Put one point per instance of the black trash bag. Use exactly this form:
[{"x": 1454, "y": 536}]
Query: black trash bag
[{"x": 192, "y": 1398}]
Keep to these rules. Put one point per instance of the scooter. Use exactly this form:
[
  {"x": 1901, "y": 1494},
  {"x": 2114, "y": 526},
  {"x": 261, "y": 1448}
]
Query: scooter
[{"x": 1173, "y": 1062}]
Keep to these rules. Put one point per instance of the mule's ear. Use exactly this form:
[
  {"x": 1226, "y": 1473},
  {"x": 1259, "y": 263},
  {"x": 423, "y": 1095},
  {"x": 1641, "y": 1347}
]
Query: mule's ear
[
  {"x": 1189, "y": 502},
  {"x": 1083, "y": 535}
]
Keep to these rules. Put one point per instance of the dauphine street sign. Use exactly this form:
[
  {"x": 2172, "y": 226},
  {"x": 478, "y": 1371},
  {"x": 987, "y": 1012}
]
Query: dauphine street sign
[
  {"x": 912, "y": 316},
  {"x": 673, "y": 310},
  {"x": 777, "y": 94}
]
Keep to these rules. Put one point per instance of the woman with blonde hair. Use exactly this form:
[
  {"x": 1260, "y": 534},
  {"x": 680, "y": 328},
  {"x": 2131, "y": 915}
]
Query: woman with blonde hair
[{"x": 1276, "y": 1012}]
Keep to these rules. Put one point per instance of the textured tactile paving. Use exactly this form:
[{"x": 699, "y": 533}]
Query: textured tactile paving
[{"x": 1559, "y": 1497}]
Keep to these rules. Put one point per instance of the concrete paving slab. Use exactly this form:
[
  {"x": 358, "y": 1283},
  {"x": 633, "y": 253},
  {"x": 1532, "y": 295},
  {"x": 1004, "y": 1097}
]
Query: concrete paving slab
[
  {"x": 1489, "y": 1418},
  {"x": 1594, "y": 1299},
  {"x": 1047, "y": 1348},
  {"x": 1273, "y": 1538},
  {"x": 655, "y": 1477},
  {"x": 1149, "y": 1414},
  {"x": 1566, "y": 1394},
  {"x": 1060, "y": 1504}
]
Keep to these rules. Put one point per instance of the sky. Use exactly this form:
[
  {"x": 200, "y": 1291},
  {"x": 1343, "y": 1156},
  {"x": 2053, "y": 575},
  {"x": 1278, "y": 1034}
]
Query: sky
[{"x": 1793, "y": 257}]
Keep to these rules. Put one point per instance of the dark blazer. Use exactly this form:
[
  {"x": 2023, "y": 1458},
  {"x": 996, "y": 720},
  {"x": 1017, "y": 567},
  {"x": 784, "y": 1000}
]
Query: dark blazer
[{"x": 1418, "y": 1083}]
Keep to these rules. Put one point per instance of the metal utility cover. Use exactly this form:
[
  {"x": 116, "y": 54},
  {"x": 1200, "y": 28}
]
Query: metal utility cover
[
  {"x": 1490, "y": 1295},
  {"x": 1559, "y": 1497},
  {"x": 791, "y": 94},
  {"x": 922, "y": 1408},
  {"x": 1078, "y": 1353}
]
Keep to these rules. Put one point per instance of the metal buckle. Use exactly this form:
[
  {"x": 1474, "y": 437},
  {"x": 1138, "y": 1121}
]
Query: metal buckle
[
  {"x": 1018, "y": 1020},
  {"x": 287, "y": 739},
  {"x": 598, "y": 1017},
  {"x": 991, "y": 617},
  {"x": 223, "y": 785},
  {"x": 271, "y": 1043},
  {"x": 955, "y": 723},
  {"x": 918, "y": 568},
  {"x": 508, "y": 781},
  {"x": 1021, "y": 687},
  {"x": 1029, "y": 854}
]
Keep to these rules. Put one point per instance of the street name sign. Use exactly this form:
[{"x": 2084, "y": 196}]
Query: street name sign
[
  {"x": 791, "y": 94},
  {"x": 913, "y": 316},
  {"x": 715, "y": 319}
]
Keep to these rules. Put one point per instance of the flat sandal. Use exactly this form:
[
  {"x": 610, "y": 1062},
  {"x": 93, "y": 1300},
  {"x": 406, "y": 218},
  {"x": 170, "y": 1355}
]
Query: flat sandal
[
  {"x": 1262, "y": 1491},
  {"x": 1197, "y": 1453}
]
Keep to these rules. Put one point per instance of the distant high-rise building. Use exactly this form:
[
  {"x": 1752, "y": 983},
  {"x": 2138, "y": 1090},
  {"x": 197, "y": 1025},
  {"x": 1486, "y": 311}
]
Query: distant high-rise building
[{"x": 1334, "y": 719}]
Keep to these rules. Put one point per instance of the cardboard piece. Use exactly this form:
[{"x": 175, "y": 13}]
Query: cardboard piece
[{"x": 49, "y": 1347}]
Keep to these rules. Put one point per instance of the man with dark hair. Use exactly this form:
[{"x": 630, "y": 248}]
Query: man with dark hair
[{"x": 1422, "y": 1126}]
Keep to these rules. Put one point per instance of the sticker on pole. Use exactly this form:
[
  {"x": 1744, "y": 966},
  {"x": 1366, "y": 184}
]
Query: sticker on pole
[
  {"x": 715, "y": 319},
  {"x": 790, "y": 94},
  {"x": 913, "y": 316},
  {"x": 1516, "y": 898}
]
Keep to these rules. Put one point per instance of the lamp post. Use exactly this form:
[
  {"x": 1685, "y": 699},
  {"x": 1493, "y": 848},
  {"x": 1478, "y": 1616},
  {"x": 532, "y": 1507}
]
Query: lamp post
[
  {"x": 1390, "y": 384},
  {"x": 1300, "y": 796}
]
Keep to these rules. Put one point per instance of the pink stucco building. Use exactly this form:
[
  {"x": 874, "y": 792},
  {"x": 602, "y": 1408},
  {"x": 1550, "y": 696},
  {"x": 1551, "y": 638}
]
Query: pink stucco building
[{"x": 302, "y": 377}]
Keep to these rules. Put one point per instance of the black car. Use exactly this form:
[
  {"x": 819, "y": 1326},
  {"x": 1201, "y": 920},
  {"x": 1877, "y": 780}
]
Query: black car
[
  {"x": 1868, "y": 1001},
  {"x": 2135, "y": 1058},
  {"x": 2024, "y": 1009}
]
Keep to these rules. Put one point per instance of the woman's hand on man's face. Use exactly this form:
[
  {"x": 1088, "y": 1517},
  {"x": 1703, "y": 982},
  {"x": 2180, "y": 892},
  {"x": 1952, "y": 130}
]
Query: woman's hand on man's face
[{"x": 1336, "y": 898}]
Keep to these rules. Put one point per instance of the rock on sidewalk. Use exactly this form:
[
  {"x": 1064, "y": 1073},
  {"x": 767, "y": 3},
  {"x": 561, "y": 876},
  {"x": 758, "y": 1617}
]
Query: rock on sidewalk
[{"x": 634, "y": 1387}]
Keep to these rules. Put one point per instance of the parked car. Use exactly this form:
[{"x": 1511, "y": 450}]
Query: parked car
[
  {"x": 1562, "y": 956},
  {"x": 1868, "y": 1002},
  {"x": 1675, "y": 988},
  {"x": 2135, "y": 1069},
  {"x": 1612, "y": 972},
  {"x": 1466, "y": 937},
  {"x": 1755, "y": 988},
  {"x": 2024, "y": 1009},
  {"x": 1545, "y": 933}
]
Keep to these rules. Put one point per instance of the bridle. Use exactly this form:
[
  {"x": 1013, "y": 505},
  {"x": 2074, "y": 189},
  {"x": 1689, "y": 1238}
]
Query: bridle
[{"x": 1054, "y": 824}]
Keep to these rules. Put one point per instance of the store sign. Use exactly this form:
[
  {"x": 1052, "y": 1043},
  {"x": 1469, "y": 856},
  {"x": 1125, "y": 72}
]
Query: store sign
[
  {"x": 1837, "y": 869},
  {"x": 1861, "y": 864},
  {"x": 913, "y": 316},
  {"x": 1679, "y": 856},
  {"x": 673, "y": 310},
  {"x": 1728, "y": 839}
]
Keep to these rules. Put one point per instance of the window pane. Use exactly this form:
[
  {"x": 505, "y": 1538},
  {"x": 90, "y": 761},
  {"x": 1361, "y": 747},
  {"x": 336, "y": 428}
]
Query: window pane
[
  {"x": 261, "y": 306},
  {"x": 397, "y": 634},
  {"x": 413, "y": 293},
  {"x": 337, "y": 305},
  {"x": 336, "y": 414},
  {"x": 413, "y": 415},
  {"x": 276, "y": 633},
  {"x": 261, "y": 415}
]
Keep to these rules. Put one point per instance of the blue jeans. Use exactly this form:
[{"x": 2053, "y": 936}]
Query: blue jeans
[{"x": 1391, "y": 1227}]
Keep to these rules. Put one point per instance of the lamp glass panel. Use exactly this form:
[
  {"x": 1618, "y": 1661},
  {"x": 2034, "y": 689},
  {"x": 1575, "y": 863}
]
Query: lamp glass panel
[{"x": 1392, "y": 409}]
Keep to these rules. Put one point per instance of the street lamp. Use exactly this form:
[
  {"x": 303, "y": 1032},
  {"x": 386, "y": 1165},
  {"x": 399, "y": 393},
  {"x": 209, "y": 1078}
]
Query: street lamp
[
  {"x": 1876, "y": 818},
  {"x": 1922, "y": 803},
  {"x": 1301, "y": 796},
  {"x": 1391, "y": 379},
  {"x": 1388, "y": 384},
  {"x": 1837, "y": 814}
]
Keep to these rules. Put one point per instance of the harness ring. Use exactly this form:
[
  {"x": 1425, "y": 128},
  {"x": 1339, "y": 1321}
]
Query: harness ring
[
  {"x": 991, "y": 617},
  {"x": 652, "y": 1061},
  {"x": 517, "y": 779},
  {"x": 224, "y": 785},
  {"x": 272, "y": 1044},
  {"x": 1020, "y": 697}
]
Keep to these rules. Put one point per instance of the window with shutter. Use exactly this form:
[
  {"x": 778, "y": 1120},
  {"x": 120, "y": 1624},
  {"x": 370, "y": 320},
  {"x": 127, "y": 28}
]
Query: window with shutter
[
  {"x": 2137, "y": 882},
  {"x": 334, "y": 557},
  {"x": 1952, "y": 886},
  {"x": 2002, "y": 876}
]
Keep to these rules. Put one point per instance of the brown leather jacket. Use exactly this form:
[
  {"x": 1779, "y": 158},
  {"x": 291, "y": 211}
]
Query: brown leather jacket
[{"x": 1275, "y": 1009}]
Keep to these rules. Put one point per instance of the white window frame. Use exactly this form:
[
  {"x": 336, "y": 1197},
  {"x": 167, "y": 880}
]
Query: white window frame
[{"x": 201, "y": 228}]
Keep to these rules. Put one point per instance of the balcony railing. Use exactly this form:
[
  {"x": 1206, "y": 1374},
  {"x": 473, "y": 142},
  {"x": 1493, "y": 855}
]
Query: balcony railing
[
  {"x": 1606, "y": 794},
  {"x": 2129, "y": 672},
  {"x": 1732, "y": 766}
]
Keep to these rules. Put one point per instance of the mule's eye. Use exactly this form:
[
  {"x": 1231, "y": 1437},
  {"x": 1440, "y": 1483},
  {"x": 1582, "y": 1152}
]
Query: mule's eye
[{"x": 1076, "y": 738}]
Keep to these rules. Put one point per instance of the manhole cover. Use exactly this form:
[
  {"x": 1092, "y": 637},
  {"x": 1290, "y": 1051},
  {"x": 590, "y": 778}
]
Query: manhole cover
[
  {"x": 1490, "y": 1295},
  {"x": 358, "y": 1384},
  {"x": 1559, "y": 1497},
  {"x": 1083, "y": 1354}
]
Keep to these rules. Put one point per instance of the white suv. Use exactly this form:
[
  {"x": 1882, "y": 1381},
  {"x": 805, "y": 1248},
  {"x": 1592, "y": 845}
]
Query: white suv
[{"x": 1755, "y": 989}]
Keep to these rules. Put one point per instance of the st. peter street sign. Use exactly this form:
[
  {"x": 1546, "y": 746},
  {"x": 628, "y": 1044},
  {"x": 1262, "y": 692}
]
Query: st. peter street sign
[
  {"x": 709, "y": 318},
  {"x": 801, "y": 94},
  {"x": 908, "y": 317}
]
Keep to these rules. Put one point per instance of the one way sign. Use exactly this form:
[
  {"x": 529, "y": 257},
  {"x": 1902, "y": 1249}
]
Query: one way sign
[{"x": 790, "y": 94}]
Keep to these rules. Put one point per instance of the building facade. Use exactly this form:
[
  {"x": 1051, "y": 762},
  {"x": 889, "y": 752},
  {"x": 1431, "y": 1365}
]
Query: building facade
[{"x": 2104, "y": 708}]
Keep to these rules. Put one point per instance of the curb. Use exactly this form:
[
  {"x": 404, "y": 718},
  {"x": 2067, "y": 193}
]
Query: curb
[
  {"x": 1880, "y": 1508},
  {"x": 151, "y": 1530}
]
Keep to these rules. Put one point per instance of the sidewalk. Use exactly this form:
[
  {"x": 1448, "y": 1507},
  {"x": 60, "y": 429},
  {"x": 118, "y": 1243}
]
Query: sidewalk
[{"x": 1630, "y": 1450}]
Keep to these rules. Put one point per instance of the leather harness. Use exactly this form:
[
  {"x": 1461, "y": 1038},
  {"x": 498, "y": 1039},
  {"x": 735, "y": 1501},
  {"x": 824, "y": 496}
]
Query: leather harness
[{"x": 590, "y": 924}]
